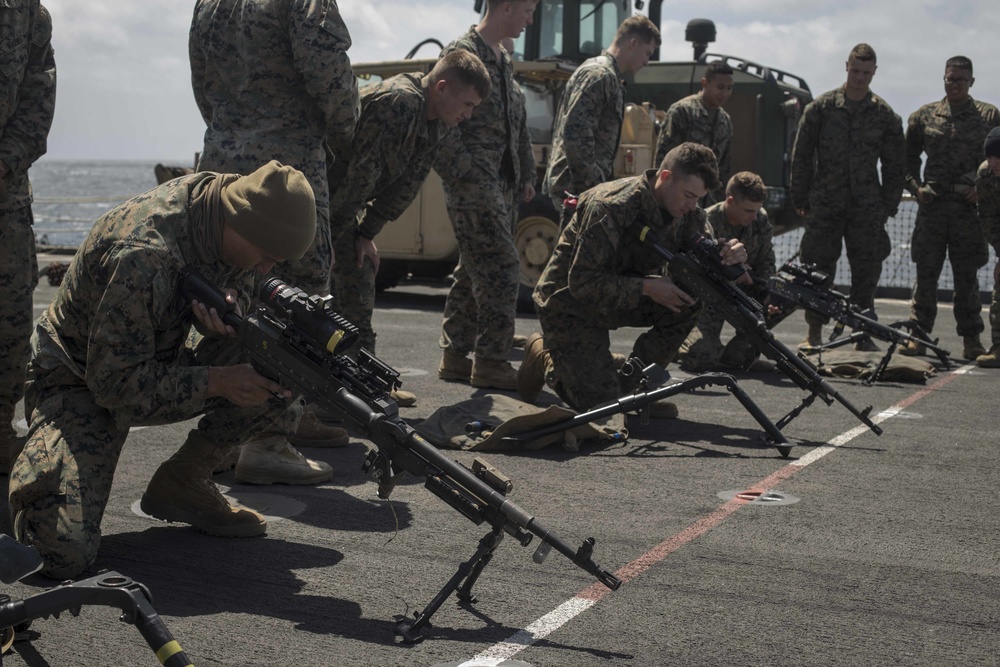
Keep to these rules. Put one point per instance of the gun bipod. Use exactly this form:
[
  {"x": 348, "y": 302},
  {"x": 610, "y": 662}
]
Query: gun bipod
[{"x": 642, "y": 398}]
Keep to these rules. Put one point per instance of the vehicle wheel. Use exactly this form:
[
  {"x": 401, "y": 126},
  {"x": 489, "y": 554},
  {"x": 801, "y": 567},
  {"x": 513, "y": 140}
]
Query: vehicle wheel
[
  {"x": 535, "y": 238},
  {"x": 390, "y": 272}
]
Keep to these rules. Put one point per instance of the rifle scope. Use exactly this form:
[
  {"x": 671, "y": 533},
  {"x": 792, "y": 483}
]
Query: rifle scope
[{"x": 313, "y": 315}]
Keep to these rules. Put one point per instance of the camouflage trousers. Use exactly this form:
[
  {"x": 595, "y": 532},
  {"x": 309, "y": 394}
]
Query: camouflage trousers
[
  {"x": 861, "y": 227},
  {"x": 311, "y": 273},
  {"x": 481, "y": 307},
  {"x": 18, "y": 278},
  {"x": 995, "y": 315},
  {"x": 581, "y": 371},
  {"x": 948, "y": 227},
  {"x": 62, "y": 480},
  {"x": 353, "y": 289},
  {"x": 703, "y": 349}
]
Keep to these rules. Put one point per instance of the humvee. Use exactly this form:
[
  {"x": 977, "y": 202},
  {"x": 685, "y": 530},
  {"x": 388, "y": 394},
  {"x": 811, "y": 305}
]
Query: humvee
[{"x": 765, "y": 108}]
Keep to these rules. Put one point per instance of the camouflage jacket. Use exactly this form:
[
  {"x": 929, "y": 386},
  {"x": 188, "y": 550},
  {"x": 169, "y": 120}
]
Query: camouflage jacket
[
  {"x": 477, "y": 164},
  {"x": 588, "y": 128},
  {"x": 837, "y": 150},
  {"x": 988, "y": 192},
  {"x": 378, "y": 175},
  {"x": 599, "y": 262},
  {"x": 525, "y": 165},
  {"x": 951, "y": 137},
  {"x": 272, "y": 80},
  {"x": 27, "y": 94},
  {"x": 757, "y": 238},
  {"x": 689, "y": 120},
  {"x": 118, "y": 321}
]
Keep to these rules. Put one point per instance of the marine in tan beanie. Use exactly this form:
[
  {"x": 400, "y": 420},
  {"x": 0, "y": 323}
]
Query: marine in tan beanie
[{"x": 274, "y": 209}]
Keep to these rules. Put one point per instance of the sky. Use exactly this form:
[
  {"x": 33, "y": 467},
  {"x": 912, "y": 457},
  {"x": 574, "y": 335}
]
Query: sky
[{"x": 124, "y": 88}]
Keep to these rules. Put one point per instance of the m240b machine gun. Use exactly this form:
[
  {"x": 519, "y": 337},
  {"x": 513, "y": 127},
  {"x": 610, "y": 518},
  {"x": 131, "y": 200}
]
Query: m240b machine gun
[
  {"x": 294, "y": 339},
  {"x": 803, "y": 286},
  {"x": 698, "y": 269}
]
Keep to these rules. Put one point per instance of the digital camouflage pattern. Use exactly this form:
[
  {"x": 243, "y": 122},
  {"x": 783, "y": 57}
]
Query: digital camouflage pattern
[
  {"x": 835, "y": 177},
  {"x": 27, "y": 103},
  {"x": 587, "y": 130},
  {"x": 372, "y": 182},
  {"x": 526, "y": 172},
  {"x": 688, "y": 120},
  {"x": 116, "y": 348},
  {"x": 478, "y": 167},
  {"x": 952, "y": 139},
  {"x": 988, "y": 194},
  {"x": 703, "y": 348},
  {"x": 273, "y": 81},
  {"x": 593, "y": 283}
]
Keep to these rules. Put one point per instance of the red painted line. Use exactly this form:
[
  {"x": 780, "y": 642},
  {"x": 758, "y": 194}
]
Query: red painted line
[{"x": 597, "y": 591}]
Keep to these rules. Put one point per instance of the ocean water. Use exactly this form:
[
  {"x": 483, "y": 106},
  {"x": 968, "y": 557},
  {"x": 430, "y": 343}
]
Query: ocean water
[{"x": 71, "y": 194}]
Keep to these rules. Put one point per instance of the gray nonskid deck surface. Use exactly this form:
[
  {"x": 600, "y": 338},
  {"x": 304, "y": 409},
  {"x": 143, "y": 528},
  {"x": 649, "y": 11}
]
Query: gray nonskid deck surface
[{"x": 890, "y": 555}]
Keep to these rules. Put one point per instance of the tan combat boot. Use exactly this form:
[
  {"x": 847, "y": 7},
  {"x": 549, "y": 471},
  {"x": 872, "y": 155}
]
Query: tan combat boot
[
  {"x": 972, "y": 347},
  {"x": 455, "y": 367},
  {"x": 913, "y": 349},
  {"x": 814, "y": 337},
  {"x": 11, "y": 443},
  {"x": 531, "y": 374},
  {"x": 181, "y": 491},
  {"x": 493, "y": 374},
  {"x": 270, "y": 459},
  {"x": 312, "y": 432},
  {"x": 403, "y": 398},
  {"x": 991, "y": 359}
]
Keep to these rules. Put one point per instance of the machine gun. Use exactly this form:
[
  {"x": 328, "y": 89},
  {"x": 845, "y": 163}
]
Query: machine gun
[
  {"x": 804, "y": 286},
  {"x": 699, "y": 270},
  {"x": 296, "y": 339},
  {"x": 108, "y": 589}
]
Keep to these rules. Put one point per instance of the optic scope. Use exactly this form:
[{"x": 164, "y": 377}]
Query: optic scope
[{"x": 313, "y": 315}]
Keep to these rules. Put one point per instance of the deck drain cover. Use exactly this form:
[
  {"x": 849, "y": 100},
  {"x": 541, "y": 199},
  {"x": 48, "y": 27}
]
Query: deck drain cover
[
  {"x": 768, "y": 497},
  {"x": 485, "y": 663}
]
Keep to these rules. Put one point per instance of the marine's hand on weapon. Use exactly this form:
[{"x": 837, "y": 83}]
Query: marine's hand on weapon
[
  {"x": 210, "y": 319},
  {"x": 664, "y": 292},
  {"x": 242, "y": 385}
]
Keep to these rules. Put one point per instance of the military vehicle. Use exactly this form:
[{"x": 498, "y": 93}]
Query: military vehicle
[{"x": 765, "y": 108}]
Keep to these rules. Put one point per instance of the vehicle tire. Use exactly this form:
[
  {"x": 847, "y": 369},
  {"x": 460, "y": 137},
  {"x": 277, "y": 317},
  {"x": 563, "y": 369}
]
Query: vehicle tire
[
  {"x": 390, "y": 272},
  {"x": 535, "y": 238}
]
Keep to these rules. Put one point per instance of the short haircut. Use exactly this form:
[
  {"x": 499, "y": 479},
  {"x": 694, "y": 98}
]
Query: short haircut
[
  {"x": 691, "y": 159},
  {"x": 493, "y": 4},
  {"x": 959, "y": 62},
  {"x": 463, "y": 68},
  {"x": 746, "y": 185},
  {"x": 717, "y": 67},
  {"x": 863, "y": 52},
  {"x": 638, "y": 26}
]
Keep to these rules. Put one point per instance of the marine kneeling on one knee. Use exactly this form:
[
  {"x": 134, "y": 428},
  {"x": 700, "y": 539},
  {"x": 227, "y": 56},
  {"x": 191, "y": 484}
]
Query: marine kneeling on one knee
[{"x": 121, "y": 346}]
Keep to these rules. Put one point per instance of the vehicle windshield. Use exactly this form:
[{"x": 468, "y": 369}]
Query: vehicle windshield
[{"x": 599, "y": 19}]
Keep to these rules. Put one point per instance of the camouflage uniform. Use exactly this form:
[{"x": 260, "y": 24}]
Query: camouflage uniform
[
  {"x": 988, "y": 192},
  {"x": 478, "y": 167},
  {"x": 703, "y": 348},
  {"x": 952, "y": 138},
  {"x": 27, "y": 102},
  {"x": 526, "y": 172},
  {"x": 835, "y": 178},
  {"x": 593, "y": 283},
  {"x": 587, "y": 130},
  {"x": 273, "y": 82},
  {"x": 689, "y": 120},
  {"x": 116, "y": 349},
  {"x": 372, "y": 182}
]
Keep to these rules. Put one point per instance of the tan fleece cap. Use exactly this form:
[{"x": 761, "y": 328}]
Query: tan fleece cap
[{"x": 273, "y": 208}]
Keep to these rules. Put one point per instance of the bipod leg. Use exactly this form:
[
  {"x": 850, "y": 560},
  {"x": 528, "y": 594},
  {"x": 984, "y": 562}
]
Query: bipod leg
[
  {"x": 806, "y": 402},
  {"x": 409, "y": 628},
  {"x": 880, "y": 368},
  {"x": 774, "y": 436}
]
